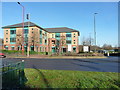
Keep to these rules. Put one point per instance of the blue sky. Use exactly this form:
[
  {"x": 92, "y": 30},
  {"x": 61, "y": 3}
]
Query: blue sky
[{"x": 76, "y": 15}]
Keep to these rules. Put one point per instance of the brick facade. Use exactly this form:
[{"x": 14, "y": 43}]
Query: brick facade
[{"x": 39, "y": 39}]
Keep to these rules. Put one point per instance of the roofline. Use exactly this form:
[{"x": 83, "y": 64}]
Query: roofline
[
  {"x": 61, "y": 32},
  {"x": 42, "y": 28}
]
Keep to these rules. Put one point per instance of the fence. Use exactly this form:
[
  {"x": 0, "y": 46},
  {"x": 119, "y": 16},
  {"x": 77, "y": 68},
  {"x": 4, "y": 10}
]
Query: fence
[{"x": 13, "y": 75}]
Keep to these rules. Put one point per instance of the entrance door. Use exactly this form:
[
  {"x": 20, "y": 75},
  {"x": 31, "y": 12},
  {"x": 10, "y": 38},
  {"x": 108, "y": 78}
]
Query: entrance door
[
  {"x": 53, "y": 50},
  {"x": 64, "y": 50}
]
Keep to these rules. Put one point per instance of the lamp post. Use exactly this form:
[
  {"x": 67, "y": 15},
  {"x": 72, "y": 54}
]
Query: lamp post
[
  {"x": 95, "y": 30},
  {"x": 28, "y": 48},
  {"x": 23, "y": 10}
]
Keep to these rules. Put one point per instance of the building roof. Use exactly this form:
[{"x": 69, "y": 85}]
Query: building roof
[
  {"x": 52, "y": 30},
  {"x": 21, "y": 25},
  {"x": 60, "y": 29}
]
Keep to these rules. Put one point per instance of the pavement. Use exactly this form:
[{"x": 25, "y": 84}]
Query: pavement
[
  {"x": 110, "y": 64},
  {"x": 47, "y": 56}
]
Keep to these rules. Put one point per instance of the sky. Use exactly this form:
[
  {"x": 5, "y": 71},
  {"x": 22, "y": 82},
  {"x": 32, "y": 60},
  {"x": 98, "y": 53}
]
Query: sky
[{"x": 75, "y": 15}]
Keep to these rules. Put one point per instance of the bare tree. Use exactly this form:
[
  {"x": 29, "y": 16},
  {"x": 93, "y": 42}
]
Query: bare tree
[
  {"x": 19, "y": 40},
  {"x": 33, "y": 40},
  {"x": 87, "y": 41},
  {"x": 107, "y": 47}
]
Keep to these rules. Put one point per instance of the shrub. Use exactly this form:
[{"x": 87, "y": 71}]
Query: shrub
[{"x": 10, "y": 51}]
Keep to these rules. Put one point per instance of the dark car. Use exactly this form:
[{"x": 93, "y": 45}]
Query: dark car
[{"x": 2, "y": 55}]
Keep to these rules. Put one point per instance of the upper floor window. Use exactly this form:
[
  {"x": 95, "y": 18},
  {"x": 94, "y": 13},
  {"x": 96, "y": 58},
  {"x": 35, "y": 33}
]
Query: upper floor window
[
  {"x": 52, "y": 35},
  {"x": 57, "y": 35},
  {"x": 40, "y": 40},
  {"x": 68, "y": 41},
  {"x": 12, "y": 39},
  {"x": 68, "y": 34},
  {"x": 32, "y": 28},
  {"x": 12, "y": 31},
  {"x": 6, "y": 30},
  {"x": 40, "y": 31},
  {"x": 6, "y": 33},
  {"x": 45, "y": 41},
  {"x": 25, "y": 31}
]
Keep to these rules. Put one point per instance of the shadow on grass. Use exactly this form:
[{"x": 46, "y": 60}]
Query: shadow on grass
[
  {"x": 13, "y": 80},
  {"x": 43, "y": 77}
]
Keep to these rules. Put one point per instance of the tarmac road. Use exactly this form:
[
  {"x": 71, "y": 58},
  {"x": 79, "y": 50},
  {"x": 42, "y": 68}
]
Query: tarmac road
[{"x": 110, "y": 64}]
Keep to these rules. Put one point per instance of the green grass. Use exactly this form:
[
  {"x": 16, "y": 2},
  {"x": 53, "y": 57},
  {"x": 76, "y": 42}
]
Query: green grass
[
  {"x": 20, "y": 52},
  {"x": 37, "y": 78},
  {"x": 10, "y": 51}
]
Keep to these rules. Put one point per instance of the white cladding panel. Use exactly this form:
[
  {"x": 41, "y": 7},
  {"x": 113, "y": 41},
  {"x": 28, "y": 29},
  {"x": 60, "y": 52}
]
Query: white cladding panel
[{"x": 69, "y": 47}]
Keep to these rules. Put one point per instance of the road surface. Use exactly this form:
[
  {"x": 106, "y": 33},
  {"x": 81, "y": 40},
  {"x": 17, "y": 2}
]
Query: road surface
[{"x": 101, "y": 65}]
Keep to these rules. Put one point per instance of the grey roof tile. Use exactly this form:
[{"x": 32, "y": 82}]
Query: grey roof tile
[
  {"x": 52, "y": 30},
  {"x": 21, "y": 25}
]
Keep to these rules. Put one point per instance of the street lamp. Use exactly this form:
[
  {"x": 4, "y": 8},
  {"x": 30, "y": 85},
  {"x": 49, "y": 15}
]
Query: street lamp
[
  {"x": 23, "y": 10},
  {"x": 95, "y": 31}
]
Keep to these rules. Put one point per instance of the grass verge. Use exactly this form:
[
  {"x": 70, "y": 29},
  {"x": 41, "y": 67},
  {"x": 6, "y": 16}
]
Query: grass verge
[{"x": 37, "y": 78}]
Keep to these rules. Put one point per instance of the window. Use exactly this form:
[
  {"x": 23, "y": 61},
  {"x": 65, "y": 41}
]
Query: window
[
  {"x": 6, "y": 38},
  {"x": 12, "y": 48},
  {"x": 52, "y": 35},
  {"x": 40, "y": 32},
  {"x": 12, "y": 39},
  {"x": 13, "y": 32},
  {"x": 74, "y": 36},
  {"x": 68, "y": 35},
  {"x": 6, "y": 30},
  {"x": 68, "y": 41},
  {"x": 57, "y": 35},
  {"x": 6, "y": 48},
  {"x": 32, "y": 28},
  {"x": 74, "y": 49},
  {"x": 6, "y": 41},
  {"x": 40, "y": 40},
  {"x": 25, "y": 31},
  {"x": 32, "y": 32},
  {"x": 74, "y": 33},
  {"x": 40, "y": 49},
  {"x": 45, "y": 41},
  {"x": 53, "y": 41},
  {"x": 6, "y": 33},
  {"x": 74, "y": 42}
]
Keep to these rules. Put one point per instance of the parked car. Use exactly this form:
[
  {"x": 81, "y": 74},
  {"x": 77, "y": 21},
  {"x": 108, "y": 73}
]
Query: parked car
[{"x": 2, "y": 55}]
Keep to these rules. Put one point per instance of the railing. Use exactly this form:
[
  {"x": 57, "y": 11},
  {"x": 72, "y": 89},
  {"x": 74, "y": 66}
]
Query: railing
[{"x": 13, "y": 75}]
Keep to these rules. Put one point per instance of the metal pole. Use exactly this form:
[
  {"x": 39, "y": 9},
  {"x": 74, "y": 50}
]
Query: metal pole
[
  {"x": 95, "y": 31},
  {"x": 23, "y": 10},
  {"x": 28, "y": 35}
]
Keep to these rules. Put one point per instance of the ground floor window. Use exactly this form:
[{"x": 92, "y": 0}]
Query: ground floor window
[
  {"x": 6, "y": 47},
  {"x": 32, "y": 48},
  {"x": 12, "y": 48},
  {"x": 25, "y": 48},
  {"x": 40, "y": 49},
  {"x": 37, "y": 48}
]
